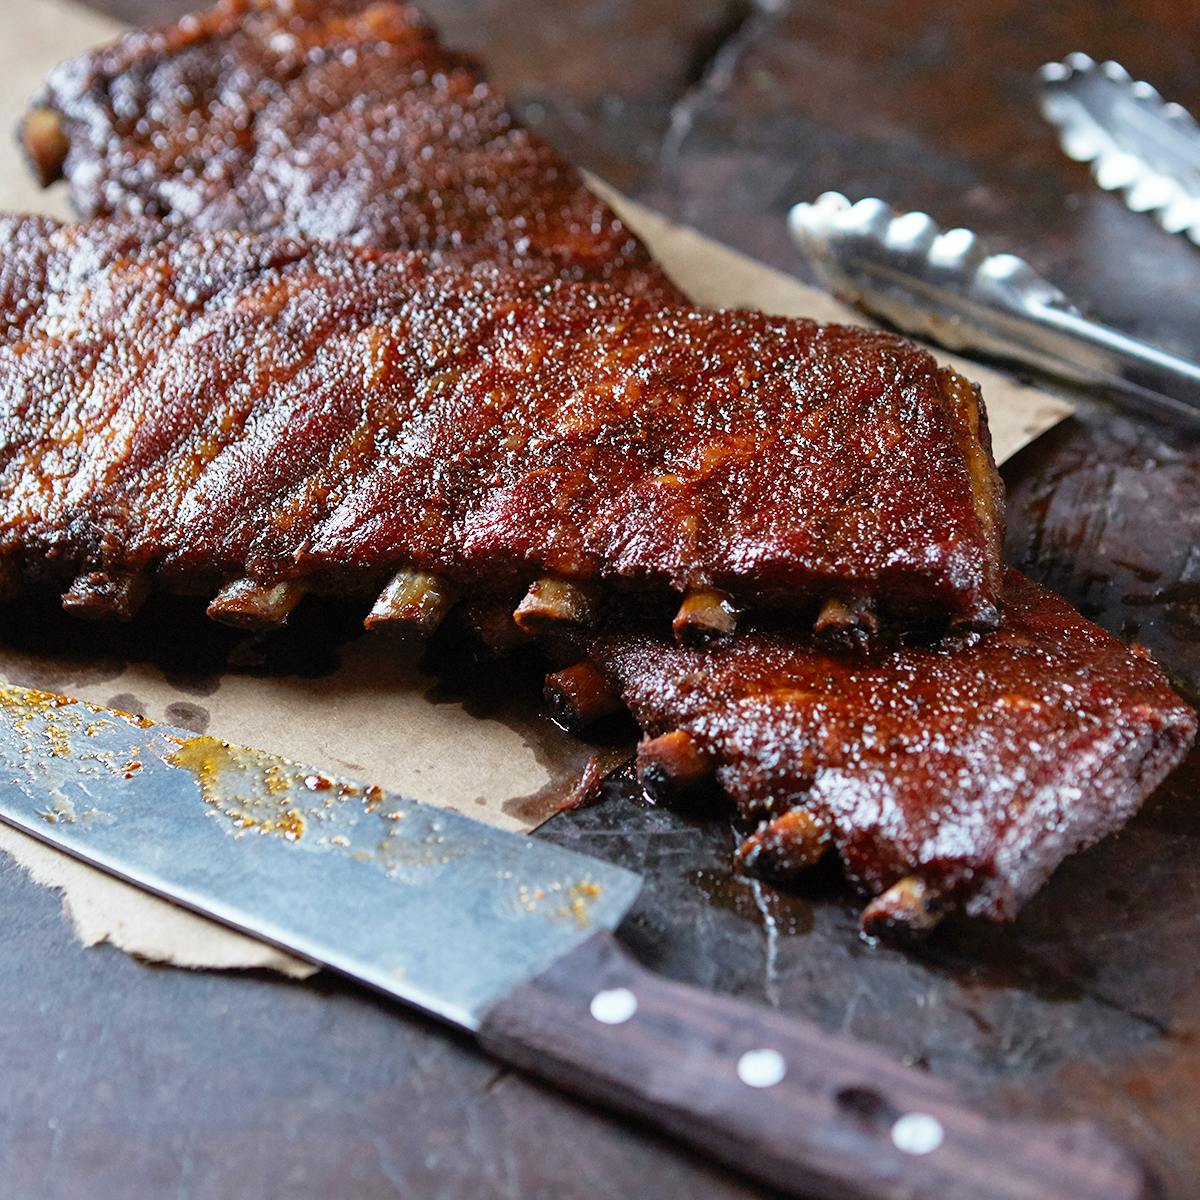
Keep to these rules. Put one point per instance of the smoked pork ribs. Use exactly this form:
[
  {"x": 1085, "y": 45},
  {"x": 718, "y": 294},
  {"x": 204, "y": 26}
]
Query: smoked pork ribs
[
  {"x": 255, "y": 416},
  {"x": 327, "y": 119},
  {"x": 951, "y": 777},
  {"x": 260, "y": 416}
]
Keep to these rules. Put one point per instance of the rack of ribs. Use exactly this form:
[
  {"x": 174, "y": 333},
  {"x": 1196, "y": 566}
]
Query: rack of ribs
[
  {"x": 327, "y": 119},
  {"x": 260, "y": 416},
  {"x": 953, "y": 777},
  {"x": 282, "y": 440}
]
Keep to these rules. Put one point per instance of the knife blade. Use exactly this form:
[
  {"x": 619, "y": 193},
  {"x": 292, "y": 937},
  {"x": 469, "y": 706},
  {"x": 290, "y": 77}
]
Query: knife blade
[
  {"x": 948, "y": 286},
  {"x": 510, "y": 938}
]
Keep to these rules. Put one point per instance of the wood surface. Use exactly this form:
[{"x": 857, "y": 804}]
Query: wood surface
[{"x": 123, "y": 1080}]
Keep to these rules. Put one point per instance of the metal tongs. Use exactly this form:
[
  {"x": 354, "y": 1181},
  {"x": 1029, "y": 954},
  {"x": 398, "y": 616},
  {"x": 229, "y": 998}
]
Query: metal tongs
[
  {"x": 949, "y": 287},
  {"x": 1138, "y": 144}
]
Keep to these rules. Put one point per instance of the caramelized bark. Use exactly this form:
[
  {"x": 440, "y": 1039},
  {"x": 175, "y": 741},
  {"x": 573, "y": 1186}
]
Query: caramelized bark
[
  {"x": 338, "y": 119},
  {"x": 246, "y": 407},
  {"x": 967, "y": 771}
]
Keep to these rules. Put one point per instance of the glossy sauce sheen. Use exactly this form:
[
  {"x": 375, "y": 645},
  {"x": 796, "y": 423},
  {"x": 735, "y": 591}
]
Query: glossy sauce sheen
[
  {"x": 208, "y": 408},
  {"x": 977, "y": 768},
  {"x": 335, "y": 120},
  {"x": 978, "y": 765}
]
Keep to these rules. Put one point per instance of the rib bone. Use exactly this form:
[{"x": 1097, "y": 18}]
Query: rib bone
[
  {"x": 45, "y": 142},
  {"x": 248, "y": 604},
  {"x": 847, "y": 623},
  {"x": 551, "y": 603},
  {"x": 785, "y": 846},
  {"x": 413, "y": 602},
  {"x": 580, "y": 695},
  {"x": 706, "y": 615},
  {"x": 673, "y": 767},
  {"x": 907, "y": 911},
  {"x": 98, "y": 596}
]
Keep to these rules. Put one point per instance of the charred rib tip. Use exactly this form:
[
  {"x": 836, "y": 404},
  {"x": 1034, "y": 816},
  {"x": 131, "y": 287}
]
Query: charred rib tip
[
  {"x": 98, "y": 596},
  {"x": 45, "y": 143},
  {"x": 785, "y": 846},
  {"x": 706, "y": 615},
  {"x": 580, "y": 696},
  {"x": 907, "y": 912},
  {"x": 552, "y": 603},
  {"x": 673, "y": 767},
  {"x": 849, "y": 624},
  {"x": 413, "y": 603},
  {"x": 248, "y": 604}
]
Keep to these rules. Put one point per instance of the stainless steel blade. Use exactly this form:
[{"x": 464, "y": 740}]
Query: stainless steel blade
[
  {"x": 949, "y": 287},
  {"x": 441, "y": 911},
  {"x": 1138, "y": 144}
]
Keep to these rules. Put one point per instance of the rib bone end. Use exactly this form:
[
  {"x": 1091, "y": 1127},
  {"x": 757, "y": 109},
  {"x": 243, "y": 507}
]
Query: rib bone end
[
  {"x": 550, "y": 603},
  {"x": 907, "y": 912},
  {"x": 413, "y": 603},
  {"x": 848, "y": 624},
  {"x": 248, "y": 604},
  {"x": 45, "y": 143},
  {"x": 580, "y": 695},
  {"x": 673, "y": 767},
  {"x": 706, "y": 615},
  {"x": 98, "y": 596},
  {"x": 785, "y": 846}
]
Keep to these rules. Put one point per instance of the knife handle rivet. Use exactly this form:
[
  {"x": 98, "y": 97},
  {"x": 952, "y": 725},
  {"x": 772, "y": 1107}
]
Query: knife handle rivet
[
  {"x": 761, "y": 1068},
  {"x": 614, "y": 1006},
  {"x": 917, "y": 1133}
]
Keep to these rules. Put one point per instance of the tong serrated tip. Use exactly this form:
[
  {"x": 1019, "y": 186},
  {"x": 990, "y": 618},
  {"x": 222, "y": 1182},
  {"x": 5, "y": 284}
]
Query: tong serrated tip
[
  {"x": 904, "y": 267},
  {"x": 1138, "y": 144}
]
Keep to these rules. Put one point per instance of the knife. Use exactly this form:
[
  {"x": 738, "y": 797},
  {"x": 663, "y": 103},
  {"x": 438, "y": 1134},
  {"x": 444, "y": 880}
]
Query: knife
[
  {"x": 511, "y": 939},
  {"x": 949, "y": 287}
]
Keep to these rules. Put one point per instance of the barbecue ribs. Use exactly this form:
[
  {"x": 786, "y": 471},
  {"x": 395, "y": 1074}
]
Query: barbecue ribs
[
  {"x": 265, "y": 416},
  {"x": 333, "y": 119},
  {"x": 351, "y": 416},
  {"x": 953, "y": 777}
]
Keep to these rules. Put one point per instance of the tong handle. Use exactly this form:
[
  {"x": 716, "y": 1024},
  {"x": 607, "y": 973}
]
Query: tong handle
[
  {"x": 782, "y": 1101},
  {"x": 1126, "y": 363}
]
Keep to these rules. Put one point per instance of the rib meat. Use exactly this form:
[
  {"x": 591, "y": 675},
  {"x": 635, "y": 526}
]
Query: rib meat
[
  {"x": 199, "y": 411},
  {"x": 957, "y": 777},
  {"x": 337, "y": 119},
  {"x": 261, "y": 416}
]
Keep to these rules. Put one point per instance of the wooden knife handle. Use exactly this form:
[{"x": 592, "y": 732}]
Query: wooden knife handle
[{"x": 782, "y": 1101}]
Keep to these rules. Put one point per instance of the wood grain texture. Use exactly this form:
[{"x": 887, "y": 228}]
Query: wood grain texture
[
  {"x": 140, "y": 1082},
  {"x": 823, "y": 1121}
]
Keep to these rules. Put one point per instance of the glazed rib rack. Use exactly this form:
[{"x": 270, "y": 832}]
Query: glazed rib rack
[
  {"x": 259, "y": 417},
  {"x": 941, "y": 777},
  {"x": 330, "y": 119},
  {"x": 253, "y": 417}
]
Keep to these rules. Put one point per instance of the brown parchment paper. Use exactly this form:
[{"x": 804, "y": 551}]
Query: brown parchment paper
[{"x": 375, "y": 716}]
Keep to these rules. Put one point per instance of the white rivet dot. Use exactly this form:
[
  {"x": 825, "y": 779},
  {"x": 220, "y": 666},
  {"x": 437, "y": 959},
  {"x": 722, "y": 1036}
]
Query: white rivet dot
[
  {"x": 917, "y": 1133},
  {"x": 614, "y": 1006},
  {"x": 761, "y": 1068}
]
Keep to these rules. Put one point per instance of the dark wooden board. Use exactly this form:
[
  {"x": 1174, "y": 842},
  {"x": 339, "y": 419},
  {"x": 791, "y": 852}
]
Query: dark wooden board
[{"x": 141, "y": 1082}]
